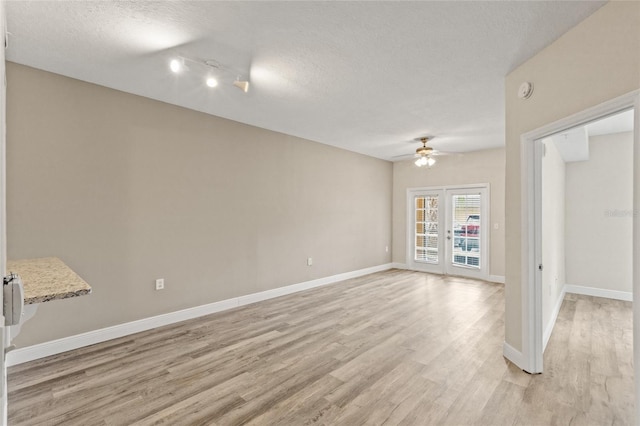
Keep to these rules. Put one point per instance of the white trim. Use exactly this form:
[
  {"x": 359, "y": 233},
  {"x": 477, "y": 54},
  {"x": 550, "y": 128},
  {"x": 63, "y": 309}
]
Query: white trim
[
  {"x": 429, "y": 268},
  {"x": 448, "y": 187},
  {"x": 496, "y": 279},
  {"x": 433, "y": 268},
  {"x": 513, "y": 355},
  {"x": 444, "y": 267},
  {"x": 530, "y": 163},
  {"x": 53, "y": 347},
  {"x": 627, "y": 296},
  {"x": 485, "y": 216},
  {"x": 294, "y": 288},
  {"x": 531, "y": 255},
  {"x": 30, "y": 353},
  {"x": 554, "y": 317},
  {"x": 499, "y": 279},
  {"x": 603, "y": 110},
  {"x": 4, "y": 332},
  {"x": 636, "y": 252}
]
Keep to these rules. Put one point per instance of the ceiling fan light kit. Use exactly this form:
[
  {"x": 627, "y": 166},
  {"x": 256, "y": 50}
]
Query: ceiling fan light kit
[
  {"x": 425, "y": 161},
  {"x": 177, "y": 65},
  {"x": 424, "y": 154}
]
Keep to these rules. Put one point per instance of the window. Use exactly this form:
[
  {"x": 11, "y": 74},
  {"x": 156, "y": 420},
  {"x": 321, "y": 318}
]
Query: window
[
  {"x": 426, "y": 214},
  {"x": 466, "y": 230}
]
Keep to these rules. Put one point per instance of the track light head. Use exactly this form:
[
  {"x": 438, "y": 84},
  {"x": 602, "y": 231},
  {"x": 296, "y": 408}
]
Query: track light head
[
  {"x": 242, "y": 85},
  {"x": 176, "y": 65},
  {"x": 211, "y": 82}
]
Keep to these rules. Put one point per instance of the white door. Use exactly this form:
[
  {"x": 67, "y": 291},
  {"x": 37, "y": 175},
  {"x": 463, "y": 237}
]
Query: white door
[
  {"x": 466, "y": 226},
  {"x": 447, "y": 231},
  {"x": 426, "y": 248}
]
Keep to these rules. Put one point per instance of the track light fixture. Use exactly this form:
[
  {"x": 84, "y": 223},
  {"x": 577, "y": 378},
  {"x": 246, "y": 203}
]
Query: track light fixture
[
  {"x": 215, "y": 69},
  {"x": 242, "y": 85},
  {"x": 212, "y": 82}
]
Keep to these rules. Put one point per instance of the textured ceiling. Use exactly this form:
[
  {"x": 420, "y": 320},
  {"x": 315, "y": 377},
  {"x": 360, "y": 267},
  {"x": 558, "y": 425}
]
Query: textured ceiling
[{"x": 365, "y": 76}]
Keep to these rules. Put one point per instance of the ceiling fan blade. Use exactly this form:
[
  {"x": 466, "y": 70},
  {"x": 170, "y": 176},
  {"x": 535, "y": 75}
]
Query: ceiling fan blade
[
  {"x": 441, "y": 153},
  {"x": 403, "y": 157}
]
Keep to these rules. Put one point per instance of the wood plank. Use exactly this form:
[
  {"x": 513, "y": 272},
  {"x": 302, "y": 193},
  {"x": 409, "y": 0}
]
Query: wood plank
[{"x": 393, "y": 348}]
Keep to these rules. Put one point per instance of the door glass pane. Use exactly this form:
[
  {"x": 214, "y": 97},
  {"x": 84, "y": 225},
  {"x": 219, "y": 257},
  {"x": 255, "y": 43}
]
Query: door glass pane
[
  {"x": 466, "y": 230},
  {"x": 426, "y": 237}
]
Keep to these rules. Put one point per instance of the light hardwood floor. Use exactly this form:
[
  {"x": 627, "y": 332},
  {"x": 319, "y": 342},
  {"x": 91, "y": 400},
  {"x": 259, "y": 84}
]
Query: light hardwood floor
[{"x": 392, "y": 348}]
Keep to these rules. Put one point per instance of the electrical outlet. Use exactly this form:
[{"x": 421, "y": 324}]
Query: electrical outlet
[
  {"x": 160, "y": 284},
  {"x": 309, "y": 261},
  {"x": 386, "y": 249}
]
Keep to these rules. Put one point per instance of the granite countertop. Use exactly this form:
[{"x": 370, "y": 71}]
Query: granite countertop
[{"x": 47, "y": 279}]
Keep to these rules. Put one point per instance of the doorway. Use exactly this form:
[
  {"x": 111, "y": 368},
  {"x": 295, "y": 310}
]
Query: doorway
[
  {"x": 587, "y": 209},
  {"x": 447, "y": 230},
  {"x": 531, "y": 249}
]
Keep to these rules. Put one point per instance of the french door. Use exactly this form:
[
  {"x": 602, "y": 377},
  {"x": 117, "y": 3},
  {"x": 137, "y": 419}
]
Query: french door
[{"x": 447, "y": 232}]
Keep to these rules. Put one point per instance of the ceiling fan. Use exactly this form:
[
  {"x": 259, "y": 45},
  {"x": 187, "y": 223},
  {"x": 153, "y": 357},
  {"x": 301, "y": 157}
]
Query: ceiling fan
[{"x": 425, "y": 154}]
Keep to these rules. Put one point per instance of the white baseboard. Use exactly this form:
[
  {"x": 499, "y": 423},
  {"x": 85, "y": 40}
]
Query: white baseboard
[
  {"x": 30, "y": 353},
  {"x": 513, "y": 355},
  {"x": 491, "y": 278},
  {"x": 554, "y": 316},
  {"x": 599, "y": 292},
  {"x": 496, "y": 279}
]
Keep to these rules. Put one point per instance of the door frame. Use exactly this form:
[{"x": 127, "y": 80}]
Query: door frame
[
  {"x": 531, "y": 228},
  {"x": 449, "y": 268},
  {"x": 442, "y": 268},
  {"x": 433, "y": 268},
  {"x": 3, "y": 213}
]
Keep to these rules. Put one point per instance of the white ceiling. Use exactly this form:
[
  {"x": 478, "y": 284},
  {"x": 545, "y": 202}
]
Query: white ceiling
[
  {"x": 365, "y": 76},
  {"x": 617, "y": 123},
  {"x": 573, "y": 144}
]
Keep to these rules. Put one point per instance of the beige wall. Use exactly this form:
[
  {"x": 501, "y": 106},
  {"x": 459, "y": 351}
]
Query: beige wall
[
  {"x": 597, "y": 60},
  {"x": 470, "y": 168},
  {"x": 126, "y": 190},
  {"x": 599, "y": 220},
  {"x": 553, "y": 229}
]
